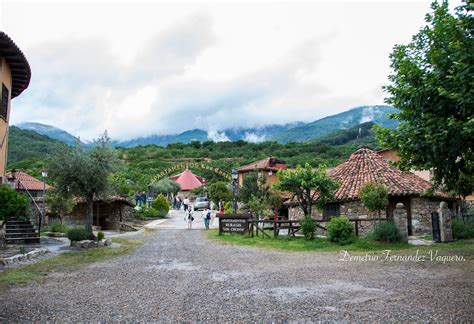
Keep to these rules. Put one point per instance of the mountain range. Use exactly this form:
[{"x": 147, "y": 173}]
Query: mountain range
[{"x": 291, "y": 132}]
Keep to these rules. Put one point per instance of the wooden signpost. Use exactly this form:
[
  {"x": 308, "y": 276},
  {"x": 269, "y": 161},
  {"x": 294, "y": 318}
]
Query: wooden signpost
[{"x": 234, "y": 223}]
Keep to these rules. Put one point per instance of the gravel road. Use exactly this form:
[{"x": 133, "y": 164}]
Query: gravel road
[{"x": 179, "y": 275}]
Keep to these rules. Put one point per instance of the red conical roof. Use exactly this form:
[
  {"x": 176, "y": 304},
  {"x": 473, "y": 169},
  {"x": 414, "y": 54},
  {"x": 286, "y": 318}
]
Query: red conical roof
[{"x": 187, "y": 180}]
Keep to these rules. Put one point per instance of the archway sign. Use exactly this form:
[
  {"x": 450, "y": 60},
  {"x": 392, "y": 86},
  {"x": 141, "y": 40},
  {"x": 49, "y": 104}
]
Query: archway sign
[{"x": 195, "y": 165}]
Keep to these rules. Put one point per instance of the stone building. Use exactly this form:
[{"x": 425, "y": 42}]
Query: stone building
[
  {"x": 108, "y": 213},
  {"x": 366, "y": 165},
  {"x": 15, "y": 75}
]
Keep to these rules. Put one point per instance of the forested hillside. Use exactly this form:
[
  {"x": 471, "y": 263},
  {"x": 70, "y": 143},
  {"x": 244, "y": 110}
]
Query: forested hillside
[{"x": 30, "y": 151}]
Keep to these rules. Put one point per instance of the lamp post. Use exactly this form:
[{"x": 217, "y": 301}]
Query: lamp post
[
  {"x": 44, "y": 175},
  {"x": 235, "y": 177}
]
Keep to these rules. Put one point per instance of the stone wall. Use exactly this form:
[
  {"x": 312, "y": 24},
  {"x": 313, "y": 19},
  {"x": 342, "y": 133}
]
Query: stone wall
[
  {"x": 421, "y": 209},
  {"x": 107, "y": 215}
]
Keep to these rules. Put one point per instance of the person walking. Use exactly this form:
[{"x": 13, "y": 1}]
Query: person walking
[
  {"x": 186, "y": 203},
  {"x": 206, "y": 215},
  {"x": 188, "y": 217}
]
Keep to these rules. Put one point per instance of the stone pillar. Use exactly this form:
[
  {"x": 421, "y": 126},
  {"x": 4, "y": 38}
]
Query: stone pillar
[
  {"x": 400, "y": 219},
  {"x": 445, "y": 224}
]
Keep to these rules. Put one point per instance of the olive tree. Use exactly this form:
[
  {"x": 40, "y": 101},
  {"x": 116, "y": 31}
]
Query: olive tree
[{"x": 84, "y": 173}]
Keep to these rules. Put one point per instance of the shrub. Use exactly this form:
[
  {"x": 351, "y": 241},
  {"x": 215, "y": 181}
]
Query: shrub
[
  {"x": 78, "y": 234},
  {"x": 228, "y": 208},
  {"x": 58, "y": 227},
  {"x": 100, "y": 236},
  {"x": 13, "y": 205},
  {"x": 340, "y": 230},
  {"x": 463, "y": 229},
  {"x": 161, "y": 205},
  {"x": 308, "y": 226},
  {"x": 386, "y": 231},
  {"x": 146, "y": 212}
]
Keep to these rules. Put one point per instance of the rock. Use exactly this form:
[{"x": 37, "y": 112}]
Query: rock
[
  {"x": 108, "y": 242},
  {"x": 2, "y": 261},
  {"x": 101, "y": 243},
  {"x": 93, "y": 244},
  {"x": 85, "y": 244}
]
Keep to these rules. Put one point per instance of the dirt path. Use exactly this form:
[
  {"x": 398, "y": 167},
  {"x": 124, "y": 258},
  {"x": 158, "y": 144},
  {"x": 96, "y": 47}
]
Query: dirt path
[{"x": 180, "y": 275}]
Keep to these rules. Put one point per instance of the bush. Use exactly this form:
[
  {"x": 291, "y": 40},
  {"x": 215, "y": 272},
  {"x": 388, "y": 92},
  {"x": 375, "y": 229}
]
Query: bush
[
  {"x": 100, "y": 236},
  {"x": 386, "y": 231},
  {"x": 161, "y": 205},
  {"x": 340, "y": 230},
  {"x": 228, "y": 208},
  {"x": 78, "y": 234},
  {"x": 308, "y": 226},
  {"x": 13, "y": 205},
  {"x": 58, "y": 227},
  {"x": 463, "y": 229},
  {"x": 145, "y": 213}
]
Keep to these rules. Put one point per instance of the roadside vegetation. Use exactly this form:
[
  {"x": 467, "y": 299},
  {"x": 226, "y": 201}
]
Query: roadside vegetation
[
  {"x": 67, "y": 261},
  {"x": 321, "y": 244}
]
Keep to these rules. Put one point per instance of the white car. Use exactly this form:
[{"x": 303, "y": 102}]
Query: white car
[{"x": 201, "y": 203}]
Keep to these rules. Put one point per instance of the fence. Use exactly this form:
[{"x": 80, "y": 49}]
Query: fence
[{"x": 293, "y": 227}]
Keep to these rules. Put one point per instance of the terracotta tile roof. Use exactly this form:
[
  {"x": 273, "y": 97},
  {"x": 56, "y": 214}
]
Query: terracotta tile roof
[
  {"x": 187, "y": 180},
  {"x": 27, "y": 181},
  {"x": 366, "y": 165},
  {"x": 269, "y": 163}
]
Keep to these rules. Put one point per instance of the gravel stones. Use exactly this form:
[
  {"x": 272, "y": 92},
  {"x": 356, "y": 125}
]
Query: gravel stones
[{"x": 179, "y": 275}]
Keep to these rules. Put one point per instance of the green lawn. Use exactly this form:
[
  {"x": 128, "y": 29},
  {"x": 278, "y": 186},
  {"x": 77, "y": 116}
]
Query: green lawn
[
  {"x": 65, "y": 261},
  {"x": 464, "y": 247}
]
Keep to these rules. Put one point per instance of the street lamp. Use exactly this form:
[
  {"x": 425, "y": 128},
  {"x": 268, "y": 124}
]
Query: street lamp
[
  {"x": 42, "y": 215},
  {"x": 235, "y": 177}
]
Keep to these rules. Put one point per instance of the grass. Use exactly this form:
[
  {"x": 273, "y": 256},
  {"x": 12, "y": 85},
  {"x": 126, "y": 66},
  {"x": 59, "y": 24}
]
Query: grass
[
  {"x": 319, "y": 244},
  {"x": 66, "y": 261}
]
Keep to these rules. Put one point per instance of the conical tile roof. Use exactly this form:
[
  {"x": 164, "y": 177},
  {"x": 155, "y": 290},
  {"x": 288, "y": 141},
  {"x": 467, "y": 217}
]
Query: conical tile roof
[
  {"x": 366, "y": 165},
  {"x": 187, "y": 180}
]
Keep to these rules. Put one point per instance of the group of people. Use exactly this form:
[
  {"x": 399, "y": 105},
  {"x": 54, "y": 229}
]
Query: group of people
[
  {"x": 207, "y": 216},
  {"x": 178, "y": 203},
  {"x": 140, "y": 198}
]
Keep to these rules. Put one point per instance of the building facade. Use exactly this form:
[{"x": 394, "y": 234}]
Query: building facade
[
  {"x": 15, "y": 74},
  {"x": 366, "y": 165},
  {"x": 267, "y": 168}
]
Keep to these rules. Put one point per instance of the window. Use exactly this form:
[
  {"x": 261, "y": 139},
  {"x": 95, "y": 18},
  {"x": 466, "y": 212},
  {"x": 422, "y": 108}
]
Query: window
[
  {"x": 4, "y": 103},
  {"x": 331, "y": 210}
]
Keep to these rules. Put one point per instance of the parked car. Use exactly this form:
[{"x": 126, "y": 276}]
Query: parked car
[{"x": 201, "y": 203}]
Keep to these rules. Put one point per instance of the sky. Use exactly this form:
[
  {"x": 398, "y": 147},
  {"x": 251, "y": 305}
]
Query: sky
[{"x": 153, "y": 67}]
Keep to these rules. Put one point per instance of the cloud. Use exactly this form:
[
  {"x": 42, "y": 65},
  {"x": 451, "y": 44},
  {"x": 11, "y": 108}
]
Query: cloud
[
  {"x": 81, "y": 86},
  {"x": 216, "y": 136},
  {"x": 254, "y": 138}
]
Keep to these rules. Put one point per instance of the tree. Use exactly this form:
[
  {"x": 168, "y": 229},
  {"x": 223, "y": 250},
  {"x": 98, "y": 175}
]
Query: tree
[
  {"x": 85, "y": 173},
  {"x": 374, "y": 196},
  {"x": 59, "y": 203},
  {"x": 307, "y": 185},
  {"x": 13, "y": 205},
  {"x": 219, "y": 191},
  {"x": 432, "y": 85},
  {"x": 253, "y": 186},
  {"x": 166, "y": 186}
]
